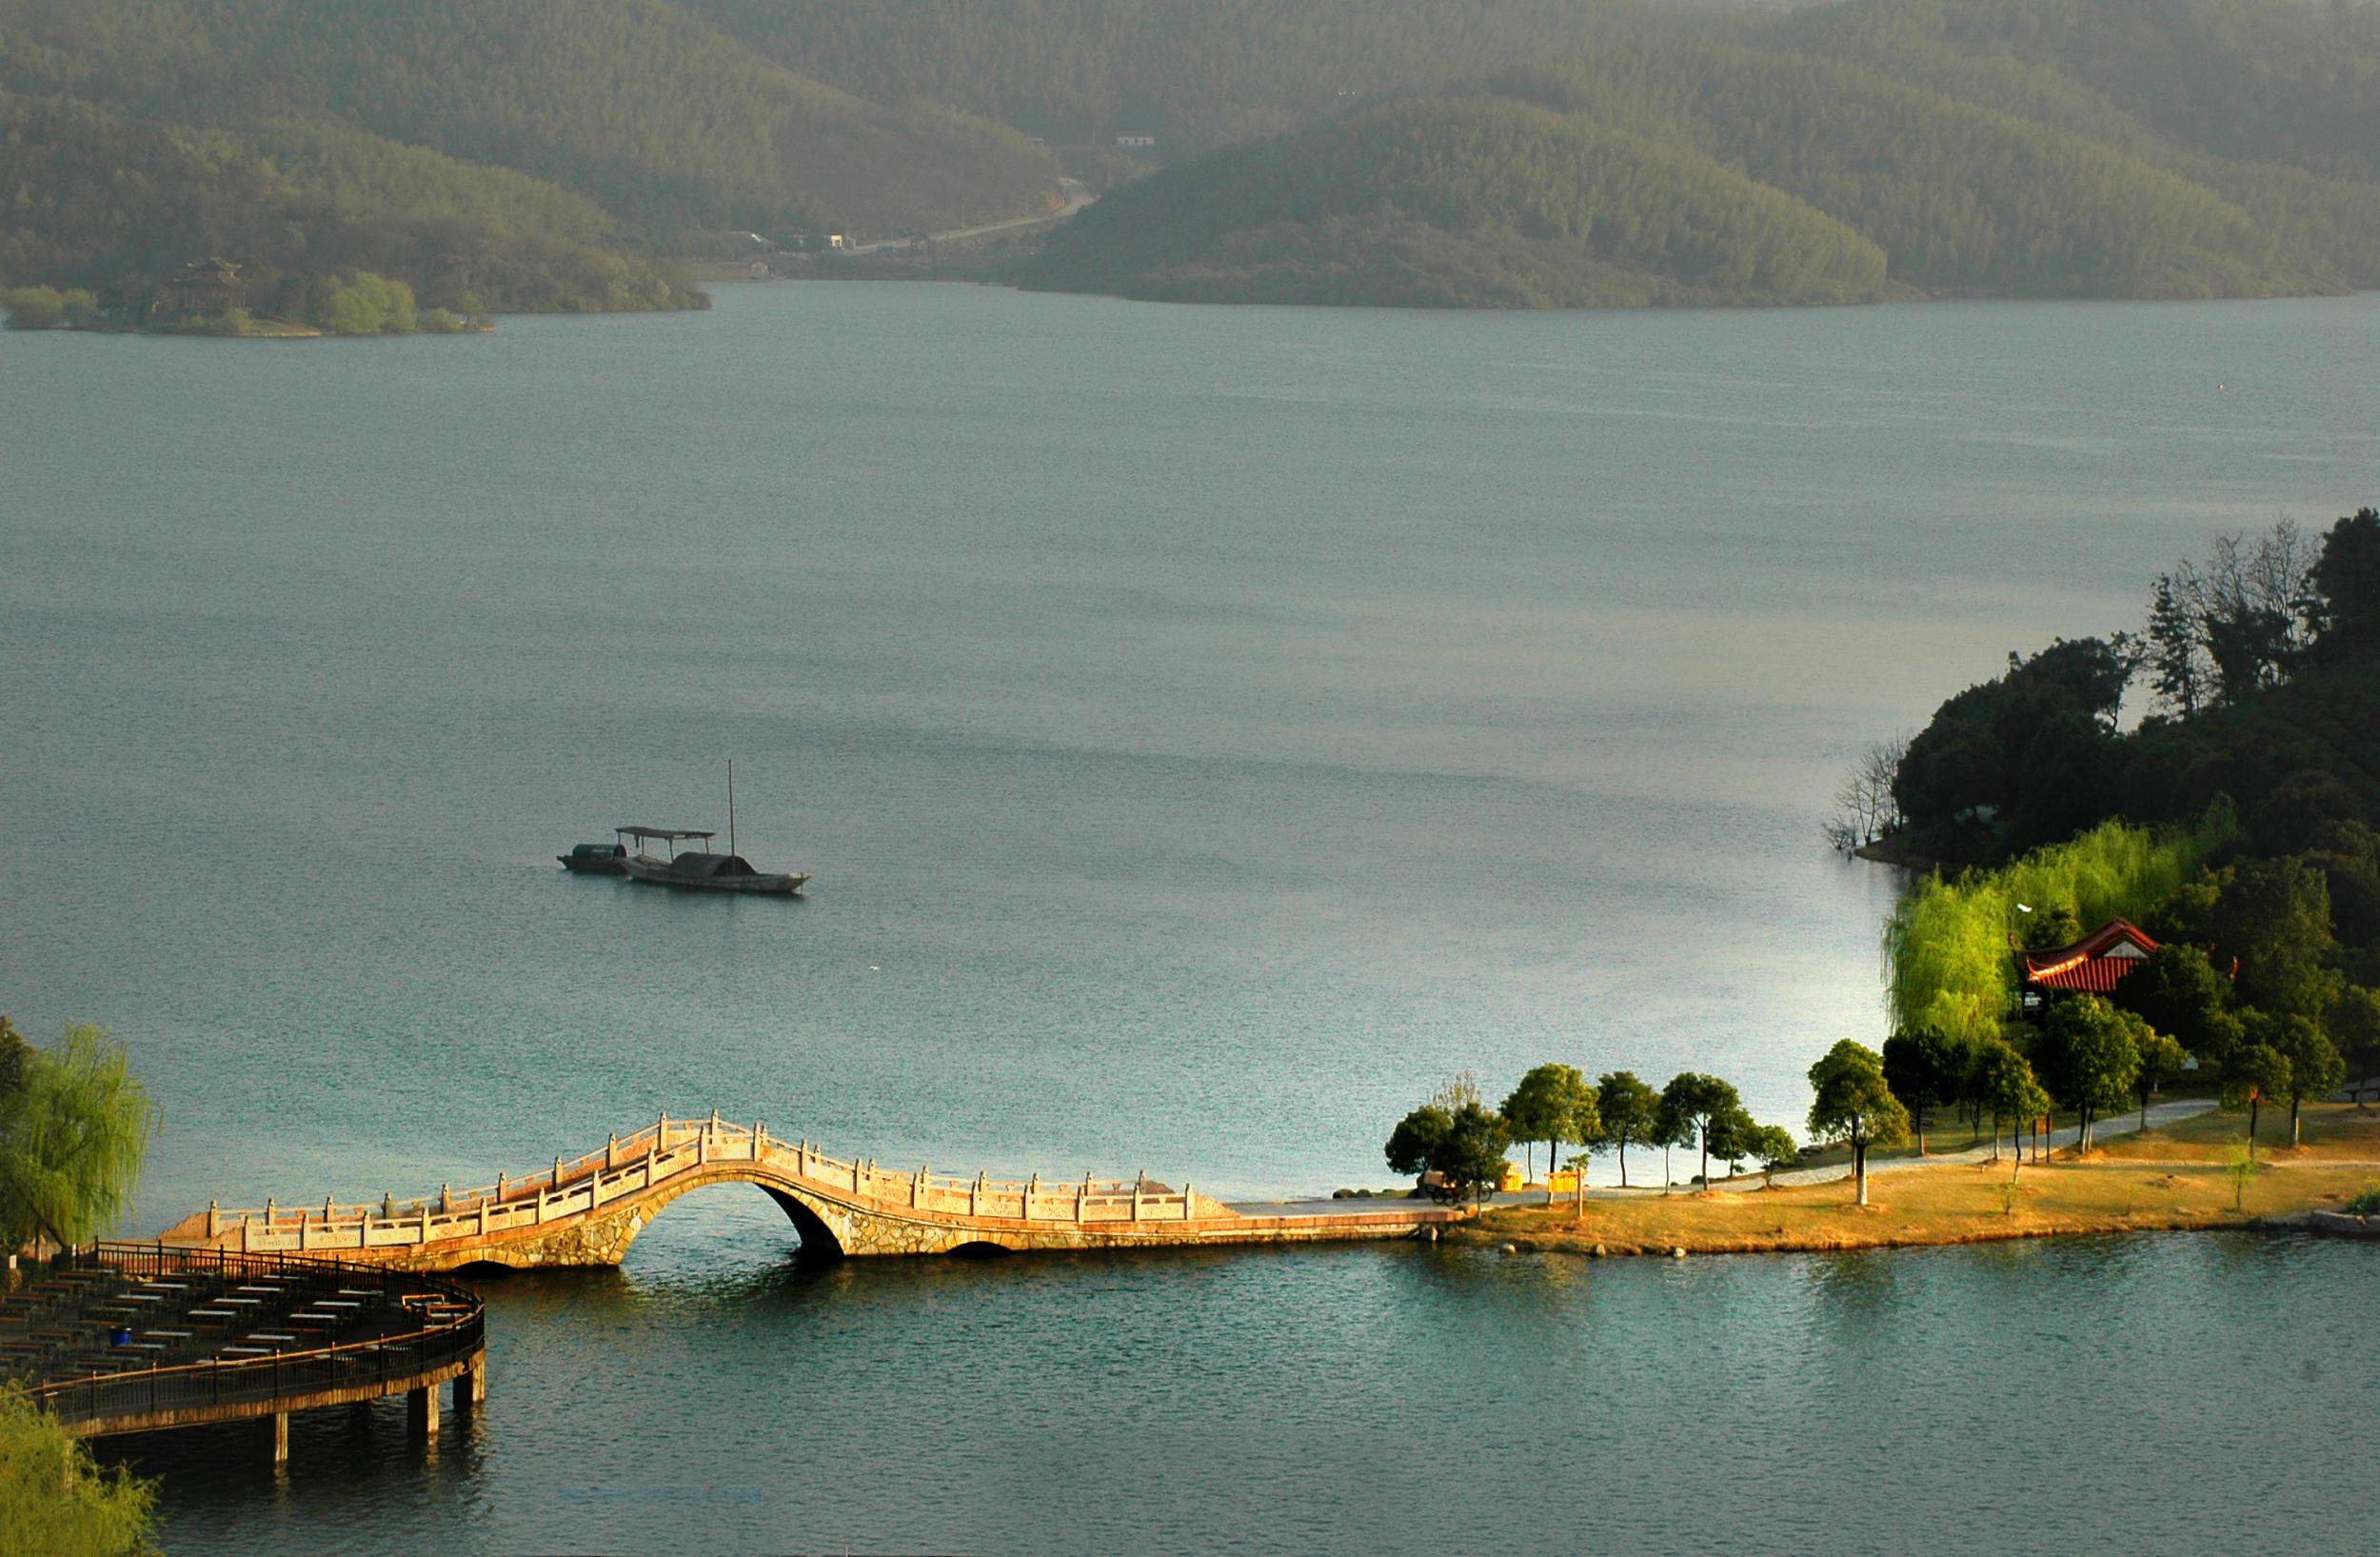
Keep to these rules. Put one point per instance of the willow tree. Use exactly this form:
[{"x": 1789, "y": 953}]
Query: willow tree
[
  {"x": 56, "y": 1499},
  {"x": 73, "y": 1129},
  {"x": 1946, "y": 948}
]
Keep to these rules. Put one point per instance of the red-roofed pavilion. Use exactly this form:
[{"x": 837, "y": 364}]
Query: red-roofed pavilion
[{"x": 2096, "y": 963}]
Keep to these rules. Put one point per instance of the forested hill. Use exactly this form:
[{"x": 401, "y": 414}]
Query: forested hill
[
  {"x": 1984, "y": 146},
  {"x": 1194, "y": 74},
  {"x": 1506, "y": 152},
  {"x": 300, "y": 133},
  {"x": 1462, "y": 201}
]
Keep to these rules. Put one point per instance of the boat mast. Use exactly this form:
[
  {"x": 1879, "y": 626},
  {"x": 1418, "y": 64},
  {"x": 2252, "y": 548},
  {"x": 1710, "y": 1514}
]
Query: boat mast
[{"x": 731, "y": 805}]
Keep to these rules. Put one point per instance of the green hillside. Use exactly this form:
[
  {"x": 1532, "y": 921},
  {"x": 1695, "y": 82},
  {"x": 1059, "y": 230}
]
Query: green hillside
[
  {"x": 89, "y": 198},
  {"x": 1194, "y": 73},
  {"x": 379, "y": 135},
  {"x": 1985, "y": 147},
  {"x": 1492, "y": 152},
  {"x": 1962, "y": 198},
  {"x": 1472, "y": 202}
]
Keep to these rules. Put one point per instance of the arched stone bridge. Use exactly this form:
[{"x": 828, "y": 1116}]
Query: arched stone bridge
[{"x": 586, "y": 1211}]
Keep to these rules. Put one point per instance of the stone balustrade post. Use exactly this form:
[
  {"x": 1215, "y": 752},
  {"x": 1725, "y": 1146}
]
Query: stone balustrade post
[
  {"x": 244, "y": 1233},
  {"x": 702, "y": 1149},
  {"x": 760, "y": 1139},
  {"x": 214, "y": 1220},
  {"x": 855, "y": 1175},
  {"x": 612, "y": 1152},
  {"x": 499, "y": 1187},
  {"x": 1033, "y": 1186},
  {"x": 917, "y": 1189},
  {"x": 268, "y": 1213},
  {"x": 1185, "y": 1200},
  {"x": 557, "y": 1174},
  {"x": 446, "y": 1197},
  {"x": 483, "y": 1218}
]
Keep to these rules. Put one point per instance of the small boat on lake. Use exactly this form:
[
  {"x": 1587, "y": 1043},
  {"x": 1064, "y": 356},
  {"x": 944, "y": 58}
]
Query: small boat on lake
[
  {"x": 699, "y": 870},
  {"x": 596, "y": 859}
]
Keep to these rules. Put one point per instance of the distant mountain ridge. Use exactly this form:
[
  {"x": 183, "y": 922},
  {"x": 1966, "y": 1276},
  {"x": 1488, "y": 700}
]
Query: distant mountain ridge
[{"x": 521, "y": 153}]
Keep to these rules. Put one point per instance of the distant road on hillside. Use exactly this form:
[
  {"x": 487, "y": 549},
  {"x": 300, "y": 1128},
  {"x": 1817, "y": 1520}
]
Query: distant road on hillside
[{"x": 1078, "y": 195}]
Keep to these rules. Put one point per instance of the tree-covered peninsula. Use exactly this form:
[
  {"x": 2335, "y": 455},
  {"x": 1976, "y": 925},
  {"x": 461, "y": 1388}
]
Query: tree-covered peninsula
[{"x": 502, "y": 155}]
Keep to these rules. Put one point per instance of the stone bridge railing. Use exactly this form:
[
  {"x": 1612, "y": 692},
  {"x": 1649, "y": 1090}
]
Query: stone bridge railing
[{"x": 629, "y": 1166}]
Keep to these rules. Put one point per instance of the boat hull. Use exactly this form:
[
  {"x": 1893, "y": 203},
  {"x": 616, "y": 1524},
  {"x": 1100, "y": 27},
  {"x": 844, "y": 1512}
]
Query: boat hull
[{"x": 654, "y": 874}]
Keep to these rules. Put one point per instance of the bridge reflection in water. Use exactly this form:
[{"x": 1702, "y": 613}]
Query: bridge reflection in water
[{"x": 586, "y": 1211}]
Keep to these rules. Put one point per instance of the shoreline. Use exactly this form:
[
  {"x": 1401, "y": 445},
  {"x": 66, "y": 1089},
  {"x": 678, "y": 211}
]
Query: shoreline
[{"x": 1940, "y": 1206}]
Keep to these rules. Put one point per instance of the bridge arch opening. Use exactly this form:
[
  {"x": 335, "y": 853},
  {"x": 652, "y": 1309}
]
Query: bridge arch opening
[
  {"x": 818, "y": 1239},
  {"x": 981, "y": 1249}
]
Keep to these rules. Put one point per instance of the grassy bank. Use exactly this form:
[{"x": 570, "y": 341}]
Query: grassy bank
[{"x": 2165, "y": 1179}]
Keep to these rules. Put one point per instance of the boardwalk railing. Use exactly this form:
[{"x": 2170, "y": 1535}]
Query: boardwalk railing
[
  {"x": 632, "y": 1165},
  {"x": 448, "y": 1333}
]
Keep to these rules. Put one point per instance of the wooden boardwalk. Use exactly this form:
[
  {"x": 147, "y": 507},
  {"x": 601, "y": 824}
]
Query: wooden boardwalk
[
  {"x": 587, "y": 1210},
  {"x": 126, "y": 1338}
]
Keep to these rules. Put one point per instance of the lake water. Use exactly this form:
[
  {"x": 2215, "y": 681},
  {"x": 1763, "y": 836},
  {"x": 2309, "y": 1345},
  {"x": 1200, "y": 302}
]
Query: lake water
[{"x": 1209, "y": 729}]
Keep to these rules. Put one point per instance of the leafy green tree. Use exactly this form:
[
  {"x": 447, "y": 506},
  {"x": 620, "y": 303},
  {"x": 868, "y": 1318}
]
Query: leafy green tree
[
  {"x": 1690, "y": 1102},
  {"x": 73, "y": 1134},
  {"x": 368, "y": 304},
  {"x": 1926, "y": 1070},
  {"x": 1471, "y": 1159},
  {"x": 33, "y": 307},
  {"x": 1457, "y": 1137},
  {"x": 2178, "y": 992},
  {"x": 2160, "y": 1057},
  {"x": 2090, "y": 1055},
  {"x": 2316, "y": 1067},
  {"x": 1415, "y": 1144},
  {"x": 1772, "y": 1145},
  {"x": 2255, "y": 1072},
  {"x": 1548, "y": 1106},
  {"x": 2274, "y": 917},
  {"x": 2003, "y": 1081},
  {"x": 2355, "y": 1024},
  {"x": 1731, "y": 1135},
  {"x": 1630, "y": 1111},
  {"x": 2347, "y": 582},
  {"x": 2177, "y": 665},
  {"x": 55, "y": 1500},
  {"x": 1855, "y": 1104},
  {"x": 15, "y": 1053}
]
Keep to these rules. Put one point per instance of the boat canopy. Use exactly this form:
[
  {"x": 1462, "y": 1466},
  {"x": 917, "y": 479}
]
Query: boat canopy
[
  {"x": 711, "y": 865},
  {"x": 669, "y": 835}
]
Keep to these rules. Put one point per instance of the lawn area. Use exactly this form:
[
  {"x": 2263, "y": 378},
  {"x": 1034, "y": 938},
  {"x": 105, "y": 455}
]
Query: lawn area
[
  {"x": 1950, "y": 1204},
  {"x": 2331, "y": 1132}
]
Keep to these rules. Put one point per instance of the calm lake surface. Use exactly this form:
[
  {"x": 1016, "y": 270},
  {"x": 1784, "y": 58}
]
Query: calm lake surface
[{"x": 1209, "y": 729}]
